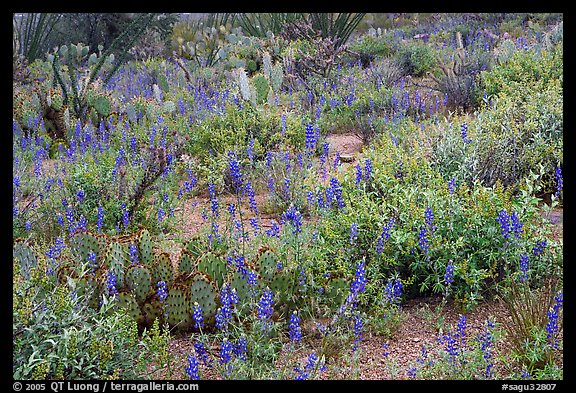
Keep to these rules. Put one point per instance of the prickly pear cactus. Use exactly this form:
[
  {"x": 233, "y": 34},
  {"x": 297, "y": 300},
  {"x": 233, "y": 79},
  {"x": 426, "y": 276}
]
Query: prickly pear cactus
[
  {"x": 195, "y": 247},
  {"x": 178, "y": 306},
  {"x": 239, "y": 282},
  {"x": 266, "y": 264},
  {"x": 282, "y": 285},
  {"x": 102, "y": 104},
  {"x": 116, "y": 260},
  {"x": 214, "y": 266},
  {"x": 25, "y": 256},
  {"x": 127, "y": 301},
  {"x": 82, "y": 243},
  {"x": 204, "y": 292},
  {"x": 152, "y": 309},
  {"x": 65, "y": 272},
  {"x": 262, "y": 88},
  {"x": 162, "y": 270},
  {"x": 187, "y": 263},
  {"x": 144, "y": 241},
  {"x": 139, "y": 282}
]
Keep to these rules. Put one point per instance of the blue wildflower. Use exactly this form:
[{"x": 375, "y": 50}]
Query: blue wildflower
[
  {"x": 449, "y": 275},
  {"x": 452, "y": 185},
  {"x": 265, "y": 306},
  {"x": 523, "y": 267},
  {"x": 359, "y": 175},
  {"x": 192, "y": 368},
  {"x": 559, "y": 181},
  {"x": 197, "y": 316},
  {"x": 295, "y": 331},
  {"x": 464, "y": 132},
  {"x": 100, "y": 219},
  {"x": 161, "y": 291},
  {"x": 368, "y": 170},
  {"x": 353, "y": 233},
  {"x": 294, "y": 217},
  {"x": 552, "y": 327},
  {"x": 133, "y": 254}
]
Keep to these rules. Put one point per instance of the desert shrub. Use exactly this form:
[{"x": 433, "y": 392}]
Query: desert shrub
[
  {"x": 369, "y": 47},
  {"x": 58, "y": 336},
  {"x": 517, "y": 131},
  {"x": 416, "y": 59},
  {"x": 524, "y": 67}
]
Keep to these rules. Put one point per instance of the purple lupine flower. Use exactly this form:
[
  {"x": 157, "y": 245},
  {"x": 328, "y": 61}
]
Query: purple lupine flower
[
  {"x": 393, "y": 291},
  {"x": 359, "y": 175},
  {"x": 274, "y": 230},
  {"x": 240, "y": 348},
  {"x": 228, "y": 298},
  {"x": 80, "y": 196},
  {"x": 486, "y": 342},
  {"x": 133, "y": 254},
  {"x": 226, "y": 352},
  {"x": 429, "y": 219},
  {"x": 368, "y": 170},
  {"x": 452, "y": 185},
  {"x": 295, "y": 331},
  {"x": 538, "y": 249},
  {"x": 161, "y": 291},
  {"x": 100, "y": 219},
  {"x": 310, "y": 138},
  {"x": 250, "y": 149},
  {"x": 423, "y": 240},
  {"x": 353, "y": 233},
  {"x": 192, "y": 368},
  {"x": 125, "y": 217},
  {"x": 516, "y": 224},
  {"x": 523, "y": 267},
  {"x": 385, "y": 235},
  {"x": 358, "y": 326},
  {"x": 234, "y": 167},
  {"x": 202, "y": 353},
  {"x": 111, "y": 284},
  {"x": 552, "y": 326},
  {"x": 251, "y": 197},
  {"x": 252, "y": 280},
  {"x": 504, "y": 221},
  {"x": 294, "y": 217},
  {"x": 197, "y": 316},
  {"x": 337, "y": 190},
  {"x": 464, "y": 132},
  {"x": 559, "y": 181},
  {"x": 213, "y": 199},
  {"x": 310, "y": 366},
  {"x": 265, "y": 306},
  {"x": 449, "y": 275},
  {"x": 358, "y": 285}
]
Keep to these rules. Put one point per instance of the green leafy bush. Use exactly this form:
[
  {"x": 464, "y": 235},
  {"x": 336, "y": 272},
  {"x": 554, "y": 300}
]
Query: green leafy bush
[{"x": 416, "y": 59}]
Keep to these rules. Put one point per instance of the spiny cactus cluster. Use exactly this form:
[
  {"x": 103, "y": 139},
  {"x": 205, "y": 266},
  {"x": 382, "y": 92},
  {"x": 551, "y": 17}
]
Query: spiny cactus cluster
[
  {"x": 261, "y": 86},
  {"x": 148, "y": 285}
]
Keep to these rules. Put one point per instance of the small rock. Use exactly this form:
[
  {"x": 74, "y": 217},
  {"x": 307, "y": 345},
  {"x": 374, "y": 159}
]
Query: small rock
[
  {"x": 416, "y": 339},
  {"x": 346, "y": 158}
]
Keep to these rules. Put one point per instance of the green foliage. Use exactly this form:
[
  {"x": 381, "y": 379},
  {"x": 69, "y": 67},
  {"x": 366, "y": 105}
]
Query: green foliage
[
  {"x": 66, "y": 339},
  {"x": 369, "y": 47},
  {"x": 416, "y": 59},
  {"x": 529, "y": 308}
]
